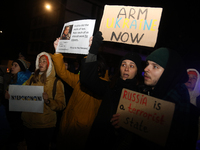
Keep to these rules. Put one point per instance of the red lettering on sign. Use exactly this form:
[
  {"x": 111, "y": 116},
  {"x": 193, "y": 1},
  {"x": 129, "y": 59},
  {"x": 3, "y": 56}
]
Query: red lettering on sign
[
  {"x": 133, "y": 97},
  {"x": 137, "y": 98},
  {"x": 145, "y": 101},
  {"x": 154, "y": 117},
  {"x": 125, "y": 93}
]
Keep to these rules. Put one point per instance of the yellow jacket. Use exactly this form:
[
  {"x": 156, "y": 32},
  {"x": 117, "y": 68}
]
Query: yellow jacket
[
  {"x": 48, "y": 118},
  {"x": 80, "y": 112}
]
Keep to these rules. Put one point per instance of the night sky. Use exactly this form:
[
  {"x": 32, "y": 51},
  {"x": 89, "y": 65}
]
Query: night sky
[
  {"x": 179, "y": 26},
  {"x": 14, "y": 22}
]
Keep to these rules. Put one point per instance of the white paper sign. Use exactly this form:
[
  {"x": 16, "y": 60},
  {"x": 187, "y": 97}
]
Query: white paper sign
[
  {"x": 26, "y": 98},
  {"x": 75, "y": 37}
]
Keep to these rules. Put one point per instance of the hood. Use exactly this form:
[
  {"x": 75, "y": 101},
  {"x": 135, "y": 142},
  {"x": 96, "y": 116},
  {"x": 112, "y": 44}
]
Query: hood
[
  {"x": 196, "y": 92},
  {"x": 135, "y": 58},
  {"x": 175, "y": 73},
  {"x": 50, "y": 70}
]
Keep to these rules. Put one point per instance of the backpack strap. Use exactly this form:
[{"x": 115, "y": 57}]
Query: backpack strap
[{"x": 54, "y": 87}]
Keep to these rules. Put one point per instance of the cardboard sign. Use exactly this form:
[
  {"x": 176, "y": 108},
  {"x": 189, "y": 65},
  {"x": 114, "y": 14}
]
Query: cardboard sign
[
  {"x": 26, "y": 98},
  {"x": 75, "y": 37},
  {"x": 131, "y": 25},
  {"x": 146, "y": 116}
]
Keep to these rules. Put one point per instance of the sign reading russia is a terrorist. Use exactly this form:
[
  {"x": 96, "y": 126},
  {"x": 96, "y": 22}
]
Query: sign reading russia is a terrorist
[{"x": 131, "y": 25}]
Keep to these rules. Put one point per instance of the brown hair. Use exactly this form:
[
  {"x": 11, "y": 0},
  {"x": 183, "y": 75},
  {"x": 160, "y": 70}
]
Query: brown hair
[{"x": 42, "y": 78}]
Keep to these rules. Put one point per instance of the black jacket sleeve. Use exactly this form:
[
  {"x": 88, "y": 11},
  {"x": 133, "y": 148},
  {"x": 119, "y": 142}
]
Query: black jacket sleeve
[{"x": 90, "y": 79}]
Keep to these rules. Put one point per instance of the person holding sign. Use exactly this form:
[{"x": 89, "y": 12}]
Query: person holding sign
[
  {"x": 102, "y": 133},
  {"x": 19, "y": 75},
  {"x": 166, "y": 74},
  {"x": 39, "y": 127},
  {"x": 81, "y": 109}
]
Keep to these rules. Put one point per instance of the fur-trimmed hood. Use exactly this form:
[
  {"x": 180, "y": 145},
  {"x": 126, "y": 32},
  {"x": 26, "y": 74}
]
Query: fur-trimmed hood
[{"x": 50, "y": 70}]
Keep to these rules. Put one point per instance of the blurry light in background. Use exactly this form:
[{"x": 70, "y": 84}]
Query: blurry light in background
[
  {"x": 48, "y": 6},
  {"x": 1, "y": 31}
]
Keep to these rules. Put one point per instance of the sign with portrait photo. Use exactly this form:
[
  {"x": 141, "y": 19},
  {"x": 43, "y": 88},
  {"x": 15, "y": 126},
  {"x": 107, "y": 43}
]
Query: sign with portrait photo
[{"x": 75, "y": 37}]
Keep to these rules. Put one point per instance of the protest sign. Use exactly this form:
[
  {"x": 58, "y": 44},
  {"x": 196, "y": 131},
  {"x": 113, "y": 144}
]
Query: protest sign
[
  {"x": 145, "y": 116},
  {"x": 26, "y": 98},
  {"x": 75, "y": 37},
  {"x": 131, "y": 25}
]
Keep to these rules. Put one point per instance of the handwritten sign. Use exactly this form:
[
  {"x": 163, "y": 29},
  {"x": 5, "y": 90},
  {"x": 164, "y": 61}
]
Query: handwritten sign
[
  {"x": 26, "y": 98},
  {"x": 75, "y": 37},
  {"x": 146, "y": 116},
  {"x": 131, "y": 25}
]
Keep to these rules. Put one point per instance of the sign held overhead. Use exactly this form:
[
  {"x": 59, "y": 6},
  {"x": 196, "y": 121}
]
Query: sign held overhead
[{"x": 131, "y": 25}]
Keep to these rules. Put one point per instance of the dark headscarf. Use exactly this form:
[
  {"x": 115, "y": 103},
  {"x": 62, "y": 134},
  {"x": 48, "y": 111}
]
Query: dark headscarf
[
  {"x": 135, "y": 58},
  {"x": 129, "y": 83}
]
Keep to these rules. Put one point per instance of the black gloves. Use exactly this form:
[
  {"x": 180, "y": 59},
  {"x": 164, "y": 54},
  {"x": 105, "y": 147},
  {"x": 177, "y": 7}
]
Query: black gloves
[{"x": 96, "y": 43}]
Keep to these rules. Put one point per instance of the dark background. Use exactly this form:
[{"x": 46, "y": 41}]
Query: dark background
[{"x": 179, "y": 26}]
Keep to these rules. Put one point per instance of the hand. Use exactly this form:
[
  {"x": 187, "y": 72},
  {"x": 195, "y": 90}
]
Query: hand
[
  {"x": 90, "y": 41},
  {"x": 96, "y": 43},
  {"x": 7, "y": 95},
  {"x": 115, "y": 120},
  {"x": 45, "y": 97},
  {"x": 56, "y": 43}
]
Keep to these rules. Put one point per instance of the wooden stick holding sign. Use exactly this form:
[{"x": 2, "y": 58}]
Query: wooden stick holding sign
[
  {"x": 131, "y": 25},
  {"x": 146, "y": 116}
]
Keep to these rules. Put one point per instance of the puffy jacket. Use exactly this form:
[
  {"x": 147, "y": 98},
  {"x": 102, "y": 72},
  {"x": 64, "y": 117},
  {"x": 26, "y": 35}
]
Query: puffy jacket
[
  {"x": 48, "y": 118},
  {"x": 22, "y": 77},
  {"x": 80, "y": 112}
]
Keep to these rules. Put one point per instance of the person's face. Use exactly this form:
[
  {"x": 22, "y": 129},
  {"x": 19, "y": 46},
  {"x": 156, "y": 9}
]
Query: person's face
[
  {"x": 152, "y": 73},
  {"x": 128, "y": 69},
  {"x": 43, "y": 64},
  {"x": 190, "y": 84},
  {"x": 15, "y": 68},
  {"x": 66, "y": 30}
]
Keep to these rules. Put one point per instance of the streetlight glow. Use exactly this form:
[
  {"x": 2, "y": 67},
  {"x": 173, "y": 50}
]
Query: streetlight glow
[{"x": 48, "y": 6}]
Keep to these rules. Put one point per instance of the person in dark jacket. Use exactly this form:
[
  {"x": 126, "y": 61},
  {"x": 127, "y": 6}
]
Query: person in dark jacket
[
  {"x": 102, "y": 133},
  {"x": 19, "y": 75},
  {"x": 165, "y": 75},
  {"x": 164, "y": 78}
]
